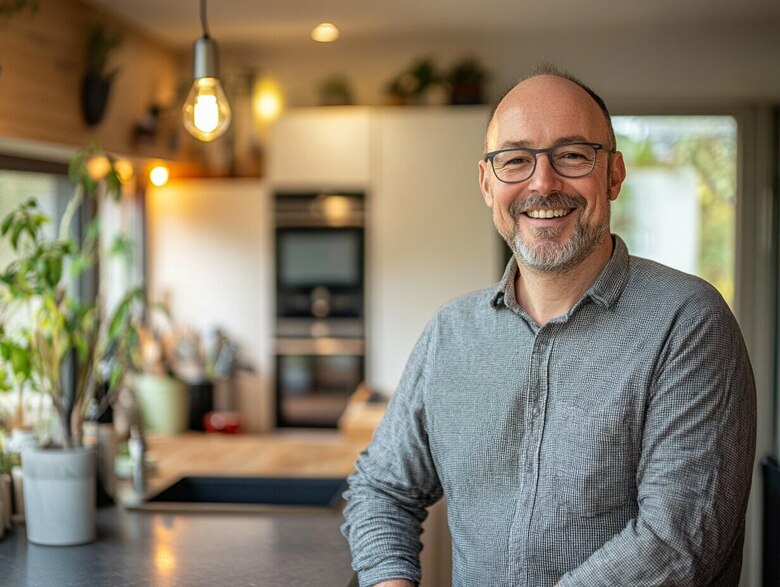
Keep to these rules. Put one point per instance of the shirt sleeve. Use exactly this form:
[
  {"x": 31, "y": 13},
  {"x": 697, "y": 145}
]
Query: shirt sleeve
[
  {"x": 395, "y": 481},
  {"x": 695, "y": 469}
]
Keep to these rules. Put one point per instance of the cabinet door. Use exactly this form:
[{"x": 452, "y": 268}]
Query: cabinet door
[
  {"x": 431, "y": 237},
  {"x": 320, "y": 149}
]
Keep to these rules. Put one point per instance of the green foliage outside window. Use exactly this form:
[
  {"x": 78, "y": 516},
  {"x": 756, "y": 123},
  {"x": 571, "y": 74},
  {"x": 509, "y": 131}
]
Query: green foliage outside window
[{"x": 707, "y": 146}]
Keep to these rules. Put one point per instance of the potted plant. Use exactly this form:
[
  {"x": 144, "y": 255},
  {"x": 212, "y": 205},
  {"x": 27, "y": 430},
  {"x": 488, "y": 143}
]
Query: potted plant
[
  {"x": 466, "y": 80},
  {"x": 420, "y": 83},
  {"x": 96, "y": 84},
  {"x": 64, "y": 348},
  {"x": 335, "y": 90}
]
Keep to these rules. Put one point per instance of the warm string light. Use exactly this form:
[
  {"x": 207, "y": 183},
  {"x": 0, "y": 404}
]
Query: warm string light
[{"x": 159, "y": 175}]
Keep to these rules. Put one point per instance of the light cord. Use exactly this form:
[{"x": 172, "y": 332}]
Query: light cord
[{"x": 203, "y": 21}]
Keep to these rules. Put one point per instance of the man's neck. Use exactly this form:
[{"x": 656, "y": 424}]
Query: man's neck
[{"x": 546, "y": 295}]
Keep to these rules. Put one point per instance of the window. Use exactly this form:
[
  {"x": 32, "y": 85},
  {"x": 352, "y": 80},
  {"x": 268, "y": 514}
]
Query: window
[
  {"x": 678, "y": 204},
  {"x": 50, "y": 189},
  {"x": 49, "y": 186}
]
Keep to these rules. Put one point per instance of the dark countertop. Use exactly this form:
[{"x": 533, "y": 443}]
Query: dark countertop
[{"x": 145, "y": 549}]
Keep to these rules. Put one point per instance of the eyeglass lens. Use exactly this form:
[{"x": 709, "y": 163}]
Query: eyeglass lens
[{"x": 567, "y": 160}]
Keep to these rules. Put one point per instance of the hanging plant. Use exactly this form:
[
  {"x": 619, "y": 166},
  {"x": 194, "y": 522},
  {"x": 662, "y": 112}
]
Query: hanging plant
[{"x": 97, "y": 81}]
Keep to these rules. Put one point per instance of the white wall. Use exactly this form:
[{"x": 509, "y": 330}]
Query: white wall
[{"x": 210, "y": 248}]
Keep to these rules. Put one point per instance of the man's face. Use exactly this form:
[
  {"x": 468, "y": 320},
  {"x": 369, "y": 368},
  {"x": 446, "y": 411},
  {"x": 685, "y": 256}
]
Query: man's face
[{"x": 552, "y": 223}]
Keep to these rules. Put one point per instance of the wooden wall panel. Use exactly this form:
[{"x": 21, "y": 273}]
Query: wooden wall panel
[{"x": 43, "y": 60}]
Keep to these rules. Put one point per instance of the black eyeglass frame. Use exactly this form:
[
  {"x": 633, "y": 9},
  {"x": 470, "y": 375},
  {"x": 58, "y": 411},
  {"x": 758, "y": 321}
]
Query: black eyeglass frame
[{"x": 548, "y": 151}]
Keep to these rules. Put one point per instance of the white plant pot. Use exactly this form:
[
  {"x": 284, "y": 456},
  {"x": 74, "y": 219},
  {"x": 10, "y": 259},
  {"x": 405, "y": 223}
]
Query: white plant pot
[{"x": 59, "y": 495}]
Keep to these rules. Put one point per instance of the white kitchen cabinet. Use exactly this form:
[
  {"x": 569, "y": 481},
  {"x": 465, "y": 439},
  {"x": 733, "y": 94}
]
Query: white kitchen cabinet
[
  {"x": 320, "y": 149},
  {"x": 431, "y": 236}
]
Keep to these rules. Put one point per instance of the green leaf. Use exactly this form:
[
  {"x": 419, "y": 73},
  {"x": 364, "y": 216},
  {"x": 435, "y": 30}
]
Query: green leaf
[
  {"x": 16, "y": 230},
  {"x": 123, "y": 247},
  {"x": 116, "y": 377},
  {"x": 90, "y": 185},
  {"x": 20, "y": 362},
  {"x": 53, "y": 270},
  {"x": 76, "y": 167},
  {"x": 93, "y": 229},
  {"x": 7, "y": 221},
  {"x": 5, "y": 384},
  {"x": 113, "y": 181}
]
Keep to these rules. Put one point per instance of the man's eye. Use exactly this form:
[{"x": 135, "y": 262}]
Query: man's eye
[
  {"x": 572, "y": 156},
  {"x": 517, "y": 160}
]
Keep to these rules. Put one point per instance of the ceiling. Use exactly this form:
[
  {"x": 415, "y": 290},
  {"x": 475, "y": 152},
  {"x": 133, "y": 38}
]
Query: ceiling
[{"x": 258, "y": 23}]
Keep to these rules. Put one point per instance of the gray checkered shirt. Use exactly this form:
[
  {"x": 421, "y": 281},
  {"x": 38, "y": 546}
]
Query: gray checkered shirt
[{"x": 612, "y": 446}]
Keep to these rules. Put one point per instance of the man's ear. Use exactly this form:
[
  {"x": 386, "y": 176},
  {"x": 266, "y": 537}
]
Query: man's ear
[
  {"x": 484, "y": 182},
  {"x": 617, "y": 175}
]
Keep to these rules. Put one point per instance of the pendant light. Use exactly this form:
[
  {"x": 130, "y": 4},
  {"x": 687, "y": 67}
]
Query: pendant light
[{"x": 206, "y": 112}]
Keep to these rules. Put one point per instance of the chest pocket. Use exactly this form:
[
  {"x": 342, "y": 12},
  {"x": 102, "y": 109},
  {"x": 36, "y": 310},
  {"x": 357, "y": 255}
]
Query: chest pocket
[{"x": 593, "y": 462}]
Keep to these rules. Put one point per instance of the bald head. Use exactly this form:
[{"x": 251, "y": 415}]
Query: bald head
[{"x": 550, "y": 92}]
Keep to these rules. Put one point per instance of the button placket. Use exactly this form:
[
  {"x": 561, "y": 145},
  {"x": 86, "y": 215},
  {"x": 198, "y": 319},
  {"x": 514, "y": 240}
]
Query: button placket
[{"x": 536, "y": 401}]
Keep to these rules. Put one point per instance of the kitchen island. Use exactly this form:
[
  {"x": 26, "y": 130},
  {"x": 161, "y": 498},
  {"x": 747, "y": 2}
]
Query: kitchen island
[
  {"x": 135, "y": 548},
  {"x": 183, "y": 549}
]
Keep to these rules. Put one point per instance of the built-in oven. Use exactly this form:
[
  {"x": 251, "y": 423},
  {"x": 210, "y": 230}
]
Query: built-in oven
[
  {"x": 315, "y": 378},
  {"x": 319, "y": 272},
  {"x": 320, "y": 309}
]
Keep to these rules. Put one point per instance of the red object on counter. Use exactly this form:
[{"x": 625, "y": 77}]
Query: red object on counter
[{"x": 225, "y": 422}]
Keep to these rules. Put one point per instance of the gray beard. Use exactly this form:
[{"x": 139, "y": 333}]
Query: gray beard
[{"x": 549, "y": 255}]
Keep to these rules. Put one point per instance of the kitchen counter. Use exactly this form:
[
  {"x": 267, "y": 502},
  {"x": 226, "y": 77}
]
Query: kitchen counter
[
  {"x": 186, "y": 550},
  {"x": 139, "y": 548}
]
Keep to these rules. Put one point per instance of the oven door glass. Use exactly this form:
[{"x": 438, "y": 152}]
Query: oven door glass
[{"x": 313, "y": 390}]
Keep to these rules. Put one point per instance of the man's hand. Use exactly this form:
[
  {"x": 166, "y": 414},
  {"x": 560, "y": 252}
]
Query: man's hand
[{"x": 395, "y": 583}]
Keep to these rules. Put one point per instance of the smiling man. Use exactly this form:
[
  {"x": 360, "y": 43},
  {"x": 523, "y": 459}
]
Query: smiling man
[{"x": 591, "y": 418}]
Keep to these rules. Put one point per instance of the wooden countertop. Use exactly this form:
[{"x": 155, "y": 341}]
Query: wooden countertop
[
  {"x": 284, "y": 453},
  {"x": 287, "y": 453}
]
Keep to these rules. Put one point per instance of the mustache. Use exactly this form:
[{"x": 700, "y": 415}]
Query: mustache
[{"x": 549, "y": 201}]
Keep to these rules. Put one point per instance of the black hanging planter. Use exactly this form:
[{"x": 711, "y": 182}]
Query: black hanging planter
[{"x": 94, "y": 98}]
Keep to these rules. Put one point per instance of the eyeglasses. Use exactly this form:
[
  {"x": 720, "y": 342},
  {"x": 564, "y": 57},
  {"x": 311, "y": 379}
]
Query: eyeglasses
[{"x": 568, "y": 160}]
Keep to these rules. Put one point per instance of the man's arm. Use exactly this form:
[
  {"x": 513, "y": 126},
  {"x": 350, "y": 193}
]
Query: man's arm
[
  {"x": 395, "y": 481},
  {"x": 695, "y": 469}
]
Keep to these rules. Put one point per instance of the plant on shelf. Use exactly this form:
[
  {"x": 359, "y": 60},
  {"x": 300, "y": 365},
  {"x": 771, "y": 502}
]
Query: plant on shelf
[
  {"x": 420, "y": 83},
  {"x": 335, "y": 90},
  {"x": 53, "y": 341},
  {"x": 466, "y": 80}
]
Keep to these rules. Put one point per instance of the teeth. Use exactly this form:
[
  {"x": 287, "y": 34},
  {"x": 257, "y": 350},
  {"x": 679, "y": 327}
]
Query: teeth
[{"x": 547, "y": 213}]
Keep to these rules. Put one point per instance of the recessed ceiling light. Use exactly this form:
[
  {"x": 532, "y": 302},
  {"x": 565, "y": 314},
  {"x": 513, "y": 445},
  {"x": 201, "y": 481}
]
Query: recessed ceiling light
[{"x": 325, "y": 32}]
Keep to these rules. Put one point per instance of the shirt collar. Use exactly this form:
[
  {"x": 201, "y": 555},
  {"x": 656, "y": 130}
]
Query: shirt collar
[{"x": 605, "y": 291}]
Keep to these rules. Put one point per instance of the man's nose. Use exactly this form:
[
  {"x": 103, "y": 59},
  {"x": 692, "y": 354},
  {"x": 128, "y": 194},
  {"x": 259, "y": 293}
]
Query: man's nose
[{"x": 544, "y": 178}]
